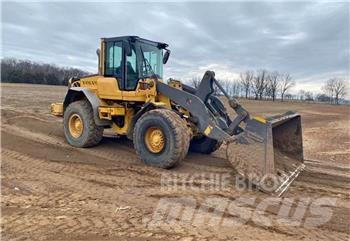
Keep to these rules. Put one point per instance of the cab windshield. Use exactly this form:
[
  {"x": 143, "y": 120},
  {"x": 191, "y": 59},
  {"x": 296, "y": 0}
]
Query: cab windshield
[{"x": 152, "y": 61}]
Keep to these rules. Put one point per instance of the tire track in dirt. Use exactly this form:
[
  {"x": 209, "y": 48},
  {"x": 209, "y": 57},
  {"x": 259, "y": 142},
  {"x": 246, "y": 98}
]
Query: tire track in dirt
[
  {"x": 109, "y": 155},
  {"x": 27, "y": 162},
  {"x": 35, "y": 167},
  {"x": 30, "y": 225},
  {"x": 86, "y": 172},
  {"x": 116, "y": 158},
  {"x": 125, "y": 156},
  {"x": 189, "y": 167},
  {"x": 128, "y": 156},
  {"x": 337, "y": 226},
  {"x": 45, "y": 130},
  {"x": 289, "y": 232},
  {"x": 31, "y": 163},
  {"x": 321, "y": 178},
  {"x": 113, "y": 165},
  {"x": 48, "y": 171},
  {"x": 124, "y": 161}
]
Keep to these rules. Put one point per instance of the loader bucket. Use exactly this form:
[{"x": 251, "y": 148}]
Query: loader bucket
[{"x": 269, "y": 152}]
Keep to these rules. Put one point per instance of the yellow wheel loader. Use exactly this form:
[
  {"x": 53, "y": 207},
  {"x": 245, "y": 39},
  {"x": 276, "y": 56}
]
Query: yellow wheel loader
[{"x": 165, "y": 120}]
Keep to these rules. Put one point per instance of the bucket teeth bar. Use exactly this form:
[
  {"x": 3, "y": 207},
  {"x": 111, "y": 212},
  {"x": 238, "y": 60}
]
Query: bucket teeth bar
[{"x": 280, "y": 191}]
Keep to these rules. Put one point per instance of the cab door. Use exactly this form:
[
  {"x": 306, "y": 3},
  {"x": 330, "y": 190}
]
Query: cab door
[
  {"x": 120, "y": 66},
  {"x": 131, "y": 70},
  {"x": 115, "y": 62}
]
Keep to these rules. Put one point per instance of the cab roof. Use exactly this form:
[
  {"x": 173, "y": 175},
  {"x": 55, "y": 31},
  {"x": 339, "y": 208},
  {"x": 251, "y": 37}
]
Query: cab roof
[{"x": 134, "y": 39}]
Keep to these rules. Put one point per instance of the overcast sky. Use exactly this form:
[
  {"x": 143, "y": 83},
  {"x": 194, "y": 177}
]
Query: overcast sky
[{"x": 308, "y": 40}]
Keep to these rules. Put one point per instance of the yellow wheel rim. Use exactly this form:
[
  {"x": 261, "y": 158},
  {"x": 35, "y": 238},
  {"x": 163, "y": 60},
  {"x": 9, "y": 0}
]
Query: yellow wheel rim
[
  {"x": 154, "y": 139},
  {"x": 75, "y": 125}
]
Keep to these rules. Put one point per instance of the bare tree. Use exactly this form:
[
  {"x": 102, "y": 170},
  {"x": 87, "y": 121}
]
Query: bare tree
[
  {"x": 309, "y": 96},
  {"x": 301, "y": 95},
  {"x": 286, "y": 83},
  {"x": 217, "y": 91},
  {"x": 227, "y": 84},
  {"x": 232, "y": 87},
  {"x": 328, "y": 89},
  {"x": 339, "y": 89},
  {"x": 245, "y": 80},
  {"x": 195, "y": 81},
  {"x": 289, "y": 96},
  {"x": 323, "y": 98},
  {"x": 259, "y": 83},
  {"x": 336, "y": 89},
  {"x": 273, "y": 82},
  {"x": 236, "y": 88}
]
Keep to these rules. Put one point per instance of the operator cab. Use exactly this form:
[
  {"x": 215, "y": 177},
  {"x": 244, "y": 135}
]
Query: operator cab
[{"x": 131, "y": 58}]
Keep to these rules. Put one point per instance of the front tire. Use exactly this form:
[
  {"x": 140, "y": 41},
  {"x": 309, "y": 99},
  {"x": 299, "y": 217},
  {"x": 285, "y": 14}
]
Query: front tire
[
  {"x": 80, "y": 129},
  {"x": 161, "y": 138}
]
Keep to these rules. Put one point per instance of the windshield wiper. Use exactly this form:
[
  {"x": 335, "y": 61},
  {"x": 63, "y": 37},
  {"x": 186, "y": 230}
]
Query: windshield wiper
[{"x": 147, "y": 66}]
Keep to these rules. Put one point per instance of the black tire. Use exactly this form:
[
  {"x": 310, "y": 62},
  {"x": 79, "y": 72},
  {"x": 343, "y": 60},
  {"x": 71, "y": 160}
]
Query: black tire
[
  {"x": 91, "y": 133},
  {"x": 176, "y": 141},
  {"x": 204, "y": 145}
]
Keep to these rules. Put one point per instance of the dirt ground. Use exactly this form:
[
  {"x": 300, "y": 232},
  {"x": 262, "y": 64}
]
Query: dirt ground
[{"x": 52, "y": 191}]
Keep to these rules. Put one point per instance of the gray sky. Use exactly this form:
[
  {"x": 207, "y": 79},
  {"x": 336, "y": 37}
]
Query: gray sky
[{"x": 308, "y": 40}]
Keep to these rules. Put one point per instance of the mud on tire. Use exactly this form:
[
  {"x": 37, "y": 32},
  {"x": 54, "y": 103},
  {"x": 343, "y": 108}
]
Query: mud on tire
[
  {"x": 91, "y": 134},
  {"x": 176, "y": 138}
]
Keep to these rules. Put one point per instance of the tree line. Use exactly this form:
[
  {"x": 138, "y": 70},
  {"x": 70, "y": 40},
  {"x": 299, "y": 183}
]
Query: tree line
[
  {"x": 25, "y": 71},
  {"x": 272, "y": 85},
  {"x": 259, "y": 85}
]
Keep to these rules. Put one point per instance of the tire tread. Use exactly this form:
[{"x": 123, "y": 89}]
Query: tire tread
[
  {"x": 95, "y": 133},
  {"x": 181, "y": 134}
]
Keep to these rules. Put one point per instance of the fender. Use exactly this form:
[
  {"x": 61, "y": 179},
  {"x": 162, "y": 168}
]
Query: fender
[
  {"x": 145, "y": 108},
  {"x": 78, "y": 93}
]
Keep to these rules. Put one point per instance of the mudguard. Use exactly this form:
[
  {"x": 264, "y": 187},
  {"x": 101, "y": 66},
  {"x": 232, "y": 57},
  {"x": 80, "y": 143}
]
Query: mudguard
[{"x": 78, "y": 93}]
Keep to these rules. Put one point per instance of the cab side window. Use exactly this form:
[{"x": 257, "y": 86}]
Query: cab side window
[
  {"x": 114, "y": 51},
  {"x": 131, "y": 71}
]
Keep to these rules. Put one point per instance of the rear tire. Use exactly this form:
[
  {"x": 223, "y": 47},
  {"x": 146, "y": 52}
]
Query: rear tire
[
  {"x": 80, "y": 129},
  {"x": 161, "y": 138},
  {"x": 204, "y": 145}
]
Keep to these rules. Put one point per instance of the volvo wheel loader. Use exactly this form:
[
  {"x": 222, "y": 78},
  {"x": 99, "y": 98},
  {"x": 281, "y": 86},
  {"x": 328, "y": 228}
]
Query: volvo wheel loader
[{"x": 165, "y": 120}]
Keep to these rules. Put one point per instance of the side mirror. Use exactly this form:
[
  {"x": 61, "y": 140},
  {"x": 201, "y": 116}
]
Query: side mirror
[
  {"x": 98, "y": 52},
  {"x": 166, "y": 56},
  {"x": 127, "y": 48}
]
